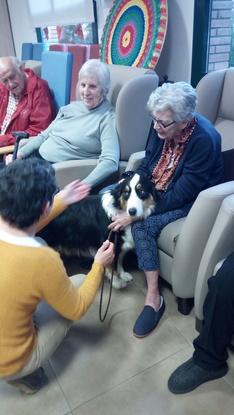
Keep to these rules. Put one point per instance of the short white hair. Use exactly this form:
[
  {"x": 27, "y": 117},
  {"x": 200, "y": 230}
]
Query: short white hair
[
  {"x": 11, "y": 59},
  {"x": 94, "y": 67},
  {"x": 179, "y": 97}
]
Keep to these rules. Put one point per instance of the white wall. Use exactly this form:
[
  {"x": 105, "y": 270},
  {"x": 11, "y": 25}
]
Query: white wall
[
  {"x": 22, "y": 29},
  {"x": 176, "y": 57}
]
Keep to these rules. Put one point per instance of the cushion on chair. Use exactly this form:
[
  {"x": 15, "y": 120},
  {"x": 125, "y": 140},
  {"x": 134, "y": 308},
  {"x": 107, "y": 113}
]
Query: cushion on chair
[
  {"x": 79, "y": 53},
  {"x": 26, "y": 51},
  {"x": 38, "y": 48},
  {"x": 92, "y": 51},
  {"x": 57, "y": 70}
]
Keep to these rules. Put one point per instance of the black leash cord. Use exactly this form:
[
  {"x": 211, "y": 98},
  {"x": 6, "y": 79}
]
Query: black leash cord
[{"x": 102, "y": 316}]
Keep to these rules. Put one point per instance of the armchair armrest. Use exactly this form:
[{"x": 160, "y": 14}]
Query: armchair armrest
[
  {"x": 219, "y": 245},
  {"x": 193, "y": 238},
  {"x": 67, "y": 171},
  {"x": 7, "y": 149}
]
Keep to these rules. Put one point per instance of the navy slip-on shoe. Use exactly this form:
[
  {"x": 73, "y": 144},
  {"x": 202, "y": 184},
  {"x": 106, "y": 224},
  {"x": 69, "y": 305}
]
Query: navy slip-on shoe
[{"x": 148, "y": 320}]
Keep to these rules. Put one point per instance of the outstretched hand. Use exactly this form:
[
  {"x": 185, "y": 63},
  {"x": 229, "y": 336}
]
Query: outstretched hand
[
  {"x": 9, "y": 158},
  {"x": 74, "y": 192},
  {"x": 105, "y": 254}
]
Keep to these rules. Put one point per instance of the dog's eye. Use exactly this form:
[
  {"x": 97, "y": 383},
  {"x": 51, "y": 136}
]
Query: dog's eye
[
  {"x": 142, "y": 193},
  {"x": 125, "y": 194}
]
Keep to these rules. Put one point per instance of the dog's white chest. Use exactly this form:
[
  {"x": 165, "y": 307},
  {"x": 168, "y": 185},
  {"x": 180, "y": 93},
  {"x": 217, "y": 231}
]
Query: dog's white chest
[{"x": 128, "y": 242}]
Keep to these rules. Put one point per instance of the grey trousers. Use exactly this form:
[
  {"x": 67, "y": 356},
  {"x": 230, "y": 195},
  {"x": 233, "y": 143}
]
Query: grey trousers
[{"x": 52, "y": 329}]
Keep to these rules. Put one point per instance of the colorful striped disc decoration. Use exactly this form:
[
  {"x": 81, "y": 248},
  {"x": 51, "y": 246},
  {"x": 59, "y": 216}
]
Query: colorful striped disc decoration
[{"x": 134, "y": 32}]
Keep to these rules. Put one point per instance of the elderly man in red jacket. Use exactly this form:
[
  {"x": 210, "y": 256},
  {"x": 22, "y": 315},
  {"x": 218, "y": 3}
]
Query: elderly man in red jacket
[{"x": 25, "y": 101}]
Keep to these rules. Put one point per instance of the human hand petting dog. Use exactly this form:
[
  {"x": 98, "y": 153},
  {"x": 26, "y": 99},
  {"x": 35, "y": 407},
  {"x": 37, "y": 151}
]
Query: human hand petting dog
[
  {"x": 120, "y": 221},
  {"x": 74, "y": 192},
  {"x": 9, "y": 158},
  {"x": 105, "y": 254}
]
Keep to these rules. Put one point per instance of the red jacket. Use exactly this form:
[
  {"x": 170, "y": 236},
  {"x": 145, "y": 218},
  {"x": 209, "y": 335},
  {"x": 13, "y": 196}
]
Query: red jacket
[{"x": 34, "y": 112}]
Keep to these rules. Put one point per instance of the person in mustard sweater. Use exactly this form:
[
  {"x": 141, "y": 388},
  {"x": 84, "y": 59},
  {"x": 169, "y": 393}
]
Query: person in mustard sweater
[{"x": 38, "y": 300}]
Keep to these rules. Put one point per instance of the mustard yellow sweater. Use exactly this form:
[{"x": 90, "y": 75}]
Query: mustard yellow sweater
[{"x": 29, "y": 275}]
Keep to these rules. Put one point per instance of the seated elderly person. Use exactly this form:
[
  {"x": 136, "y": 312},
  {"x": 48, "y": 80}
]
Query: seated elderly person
[
  {"x": 183, "y": 157},
  {"x": 84, "y": 129},
  {"x": 25, "y": 101}
]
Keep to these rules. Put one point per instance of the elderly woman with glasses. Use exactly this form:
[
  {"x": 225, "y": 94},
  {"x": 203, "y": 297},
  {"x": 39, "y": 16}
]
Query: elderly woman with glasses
[{"x": 183, "y": 157}]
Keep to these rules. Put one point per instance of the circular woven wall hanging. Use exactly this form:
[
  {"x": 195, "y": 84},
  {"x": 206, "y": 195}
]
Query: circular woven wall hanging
[{"x": 134, "y": 32}]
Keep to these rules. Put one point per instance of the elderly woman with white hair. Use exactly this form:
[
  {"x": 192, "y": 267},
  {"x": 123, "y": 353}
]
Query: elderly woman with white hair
[
  {"x": 183, "y": 157},
  {"x": 83, "y": 129}
]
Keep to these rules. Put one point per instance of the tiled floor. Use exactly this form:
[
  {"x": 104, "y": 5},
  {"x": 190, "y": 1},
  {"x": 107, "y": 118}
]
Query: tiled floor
[{"x": 102, "y": 369}]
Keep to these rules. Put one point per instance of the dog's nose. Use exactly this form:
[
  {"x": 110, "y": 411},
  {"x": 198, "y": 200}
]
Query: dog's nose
[{"x": 132, "y": 211}]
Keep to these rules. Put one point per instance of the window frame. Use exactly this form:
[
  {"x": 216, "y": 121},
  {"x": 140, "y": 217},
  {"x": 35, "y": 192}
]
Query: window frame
[{"x": 202, "y": 14}]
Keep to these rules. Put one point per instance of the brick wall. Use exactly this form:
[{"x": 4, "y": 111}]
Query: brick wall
[{"x": 220, "y": 34}]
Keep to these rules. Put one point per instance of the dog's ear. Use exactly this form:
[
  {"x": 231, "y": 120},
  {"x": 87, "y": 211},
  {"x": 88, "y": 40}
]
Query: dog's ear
[
  {"x": 155, "y": 193},
  {"x": 116, "y": 193},
  {"x": 127, "y": 174}
]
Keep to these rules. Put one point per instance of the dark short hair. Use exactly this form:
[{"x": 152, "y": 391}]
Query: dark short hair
[{"x": 25, "y": 188}]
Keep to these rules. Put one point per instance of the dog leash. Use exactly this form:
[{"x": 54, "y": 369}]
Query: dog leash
[{"x": 102, "y": 316}]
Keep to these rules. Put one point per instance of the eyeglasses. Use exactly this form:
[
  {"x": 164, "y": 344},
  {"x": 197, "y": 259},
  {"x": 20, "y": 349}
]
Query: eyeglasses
[{"x": 162, "y": 124}]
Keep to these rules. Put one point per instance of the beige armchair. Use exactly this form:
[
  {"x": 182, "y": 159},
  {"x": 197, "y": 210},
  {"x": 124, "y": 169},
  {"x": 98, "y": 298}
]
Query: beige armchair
[
  {"x": 183, "y": 243},
  {"x": 216, "y": 97},
  {"x": 130, "y": 90},
  {"x": 219, "y": 245},
  {"x": 215, "y": 101}
]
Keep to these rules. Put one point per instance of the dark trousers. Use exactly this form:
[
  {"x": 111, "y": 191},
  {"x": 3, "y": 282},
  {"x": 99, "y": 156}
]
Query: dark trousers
[
  {"x": 211, "y": 345},
  {"x": 146, "y": 232}
]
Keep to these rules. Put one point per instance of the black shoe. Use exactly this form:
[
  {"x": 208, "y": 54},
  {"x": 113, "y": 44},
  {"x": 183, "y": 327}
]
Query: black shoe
[
  {"x": 32, "y": 383},
  {"x": 189, "y": 376},
  {"x": 148, "y": 320}
]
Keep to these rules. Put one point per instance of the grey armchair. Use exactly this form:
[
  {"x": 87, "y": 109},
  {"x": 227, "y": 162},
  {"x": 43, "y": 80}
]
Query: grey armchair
[
  {"x": 215, "y": 101},
  {"x": 219, "y": 245},
  {"x": 130, "y": 90}
]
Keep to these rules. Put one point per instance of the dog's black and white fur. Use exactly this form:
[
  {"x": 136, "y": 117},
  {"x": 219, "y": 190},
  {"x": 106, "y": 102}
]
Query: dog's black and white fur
[{"x": 81, "y": 229}]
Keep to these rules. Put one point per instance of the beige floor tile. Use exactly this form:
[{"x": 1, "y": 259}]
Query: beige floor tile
[
  {"x": 147, "y": 393},
  {"x": 96, "y": 357},
  {"x": 48, "y": 401}
]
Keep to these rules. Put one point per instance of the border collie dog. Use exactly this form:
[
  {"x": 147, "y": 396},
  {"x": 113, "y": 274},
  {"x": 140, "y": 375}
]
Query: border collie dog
[{"x": 83, "y": 227}]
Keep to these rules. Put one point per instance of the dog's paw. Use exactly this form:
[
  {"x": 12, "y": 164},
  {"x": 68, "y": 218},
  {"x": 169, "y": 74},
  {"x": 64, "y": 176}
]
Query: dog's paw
[
  {"x": 118, "y": 283},
  {"x": 125, "y": 276}
]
